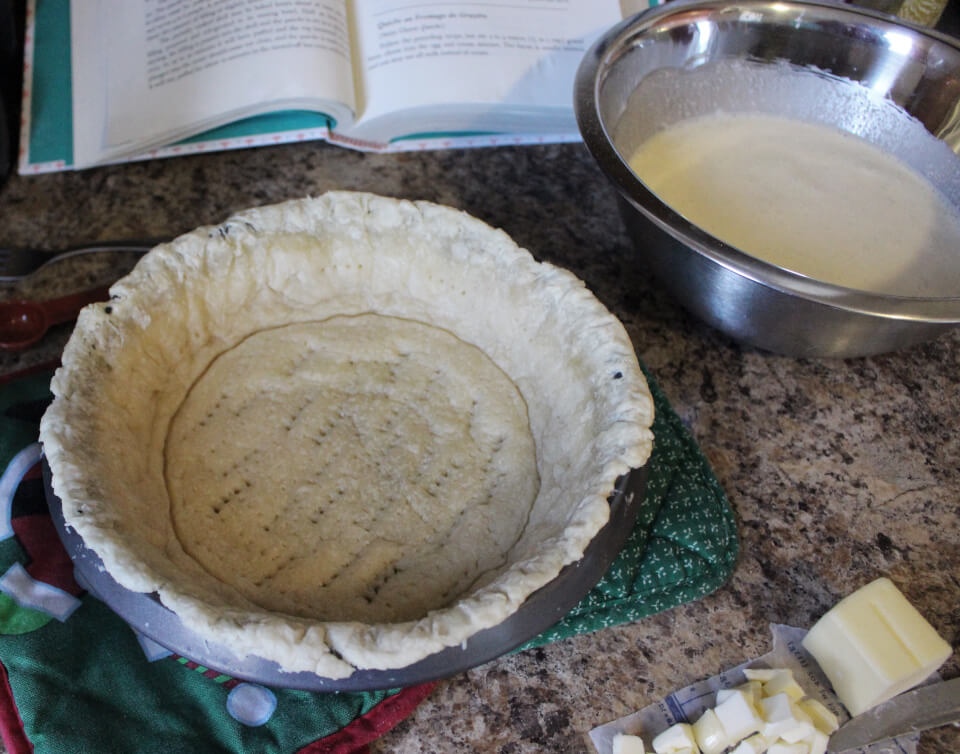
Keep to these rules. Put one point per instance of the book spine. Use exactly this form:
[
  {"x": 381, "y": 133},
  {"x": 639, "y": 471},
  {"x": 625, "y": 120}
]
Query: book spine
[{"x": 23, "y": 160}]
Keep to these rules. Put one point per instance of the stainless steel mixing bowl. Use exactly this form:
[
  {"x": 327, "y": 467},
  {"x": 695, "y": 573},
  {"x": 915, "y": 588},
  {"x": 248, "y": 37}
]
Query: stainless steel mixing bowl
[{"x": 864, "y": 72}]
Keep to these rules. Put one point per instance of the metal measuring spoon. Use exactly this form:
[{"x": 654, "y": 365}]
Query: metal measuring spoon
[{"x": 24, "y": 323}]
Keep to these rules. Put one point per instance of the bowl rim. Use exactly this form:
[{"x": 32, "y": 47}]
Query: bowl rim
[{"x": 596, "y": 136}]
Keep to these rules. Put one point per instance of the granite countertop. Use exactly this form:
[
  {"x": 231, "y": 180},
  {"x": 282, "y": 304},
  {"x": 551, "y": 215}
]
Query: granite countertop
[{"x": 838, "y": 471}]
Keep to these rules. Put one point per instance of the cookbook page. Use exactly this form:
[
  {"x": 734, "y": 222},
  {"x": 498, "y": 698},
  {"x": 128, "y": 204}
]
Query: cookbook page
[
  {"x": 148, "y": 72},
  {"x": 523, "y": 53}
]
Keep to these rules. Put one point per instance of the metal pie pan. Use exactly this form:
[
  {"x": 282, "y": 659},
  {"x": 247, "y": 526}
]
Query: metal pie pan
[{"x": 147, "y": 615}]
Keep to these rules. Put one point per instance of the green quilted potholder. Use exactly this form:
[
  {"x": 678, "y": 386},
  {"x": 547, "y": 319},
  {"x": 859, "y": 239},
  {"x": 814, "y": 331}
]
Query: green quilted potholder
[{"x": 682, "y": 547}]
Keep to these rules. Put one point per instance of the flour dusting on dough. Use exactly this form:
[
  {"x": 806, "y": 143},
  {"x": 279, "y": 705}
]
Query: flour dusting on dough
[{"x": 133, "y": 364}]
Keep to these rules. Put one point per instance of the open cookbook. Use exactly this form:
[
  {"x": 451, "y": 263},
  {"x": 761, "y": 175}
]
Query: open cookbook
[{"x": 148, "y": 78}]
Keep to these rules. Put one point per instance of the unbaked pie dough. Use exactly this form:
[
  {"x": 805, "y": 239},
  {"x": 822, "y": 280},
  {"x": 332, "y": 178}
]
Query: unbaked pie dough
[
  {"x": 362, "y": 468},
  {"x": 343, "y": 432}
]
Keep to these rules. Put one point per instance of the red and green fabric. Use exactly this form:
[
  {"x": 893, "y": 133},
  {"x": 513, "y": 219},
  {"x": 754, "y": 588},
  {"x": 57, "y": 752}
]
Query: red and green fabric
[{"x": 74, "y": 677}]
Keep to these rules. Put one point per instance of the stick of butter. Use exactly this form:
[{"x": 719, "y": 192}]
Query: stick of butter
[{"x": 874, "y": 645}]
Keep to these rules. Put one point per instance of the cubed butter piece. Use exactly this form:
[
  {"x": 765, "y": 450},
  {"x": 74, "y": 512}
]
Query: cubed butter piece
[
  {"x": 755, "y": 744},
  {"x": 781, "y": 747},
  {"x": 783, "y": 683},
  {"x": 738, "y": 716},
  {"x": 709, "y": 733},
  {"x": 804, "y": 728},
  {"x": 817, "y": 742},
  {"x": 753, "y": 691},
  {"x": 781, "y": 720},
  {"x": 824, "y": 720},
  {"x": 760, "y": 674},
  {"x": 873, "y": 645},
  {"x": 625, "y": 743},
  {"x": 674, "y": 739},
  {"x": 724, "y": 694}
]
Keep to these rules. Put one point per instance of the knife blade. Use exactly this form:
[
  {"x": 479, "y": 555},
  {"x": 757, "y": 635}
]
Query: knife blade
[{"x": 911, "y": 712}]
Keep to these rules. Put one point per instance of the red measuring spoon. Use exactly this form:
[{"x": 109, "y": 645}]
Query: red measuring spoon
[{"x": 23, "y": 323}]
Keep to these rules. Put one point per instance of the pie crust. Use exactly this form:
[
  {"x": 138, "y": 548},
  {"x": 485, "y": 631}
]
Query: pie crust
[{"x": 345, "y": 431}]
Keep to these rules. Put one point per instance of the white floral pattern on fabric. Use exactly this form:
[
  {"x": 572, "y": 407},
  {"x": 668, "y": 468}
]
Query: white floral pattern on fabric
[
  {"x": 19, "y": 465},
  {"x": 28, "y": 592},
  {"x": 251, "y": 704}
]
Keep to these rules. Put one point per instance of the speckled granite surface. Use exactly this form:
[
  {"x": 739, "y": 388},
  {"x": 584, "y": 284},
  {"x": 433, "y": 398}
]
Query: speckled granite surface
[{"x": 839, "y": 471}]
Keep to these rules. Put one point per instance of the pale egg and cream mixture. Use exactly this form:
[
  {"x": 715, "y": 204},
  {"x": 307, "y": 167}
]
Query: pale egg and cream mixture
[{"x": 811, "y": 198}]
